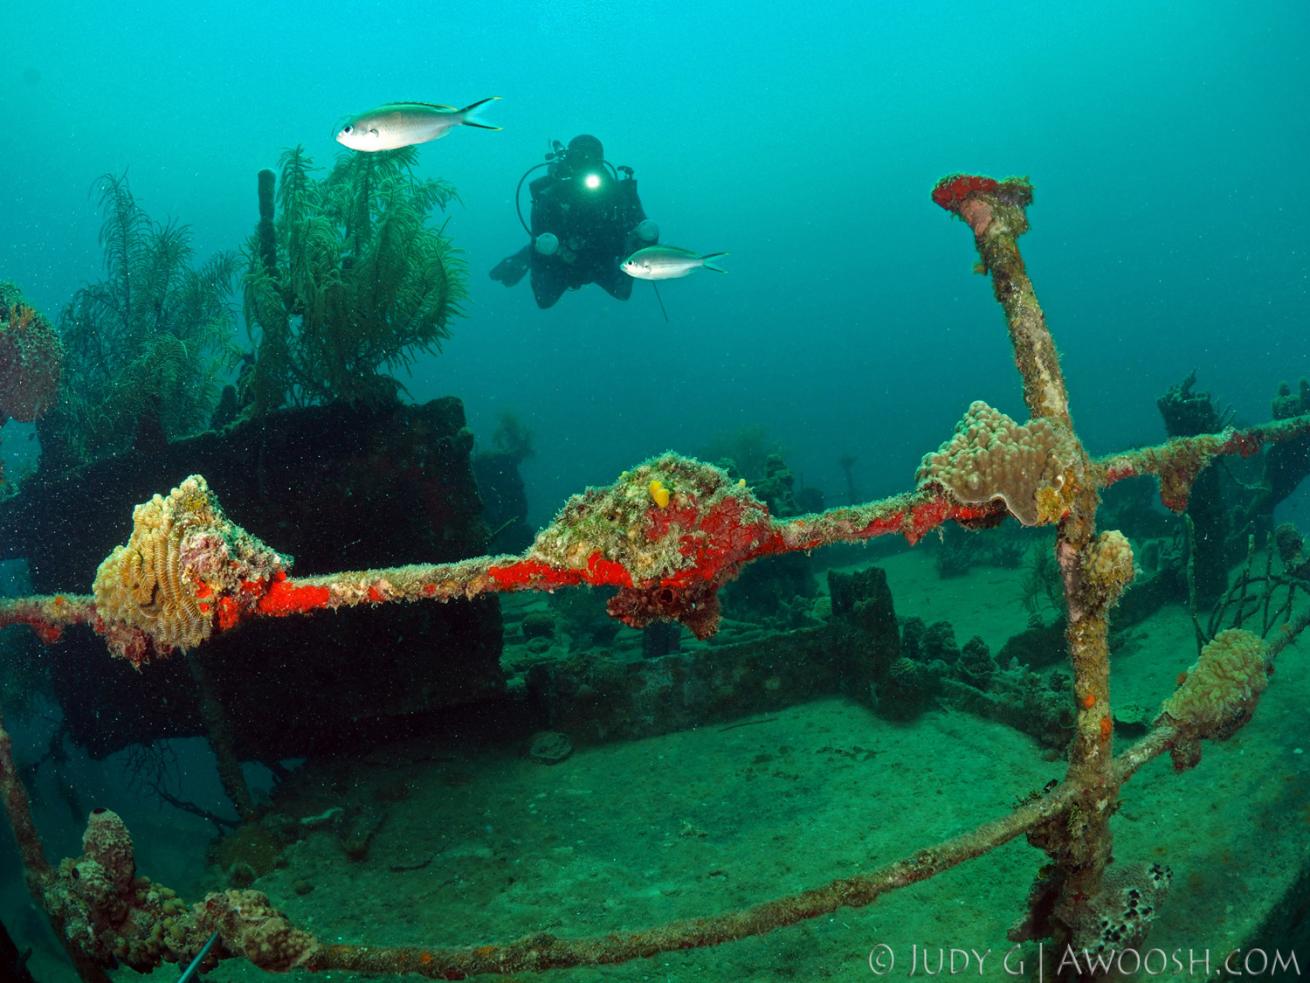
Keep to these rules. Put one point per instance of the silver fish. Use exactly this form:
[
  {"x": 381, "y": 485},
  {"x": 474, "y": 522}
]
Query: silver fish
[
  {"x": 668, "y": 263},
  {"x": 403, "y": 124}
]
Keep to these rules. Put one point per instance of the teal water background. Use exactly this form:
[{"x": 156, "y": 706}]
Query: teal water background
[{"x": 1167, "y": 142}]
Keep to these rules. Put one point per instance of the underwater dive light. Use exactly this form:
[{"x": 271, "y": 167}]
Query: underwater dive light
[{"x": 592, "y": 181}]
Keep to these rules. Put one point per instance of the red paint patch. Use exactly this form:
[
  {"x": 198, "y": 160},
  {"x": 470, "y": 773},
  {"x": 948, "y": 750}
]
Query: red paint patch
[
  {"x": 532, "y": 573},
  {"x": 228, "y": 613},
  {"x": 602, "y": 571},
  {"x": 889, "y": 523},
  {"x": 1244, "y": 444},
  {"x": 1174, "y": 503},
  {"x": 952, "y": 192},
  {"x": 720, "y": 540},
  {"x": 1119, "y": 473},
  {"x": 285, "y": 598},
  {"x": 928, "y": 516}
]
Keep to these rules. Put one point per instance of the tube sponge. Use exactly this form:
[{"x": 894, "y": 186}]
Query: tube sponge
[
  {"x": 264, "y": 232},
  {"x": 108, "y": 843}
]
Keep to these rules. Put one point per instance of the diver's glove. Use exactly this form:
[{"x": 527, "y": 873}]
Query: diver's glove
[{"x": 645, "y": 233}]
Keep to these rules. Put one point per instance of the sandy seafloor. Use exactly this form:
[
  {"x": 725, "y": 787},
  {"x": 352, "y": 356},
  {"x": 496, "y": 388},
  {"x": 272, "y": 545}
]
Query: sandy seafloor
[{"x": 630, "y": 835}]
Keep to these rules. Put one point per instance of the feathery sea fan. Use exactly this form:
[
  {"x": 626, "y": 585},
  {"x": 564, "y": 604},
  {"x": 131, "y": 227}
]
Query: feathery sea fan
[
  {"x": 352, "y": 280},
  {"x": 152, "y": 339}
]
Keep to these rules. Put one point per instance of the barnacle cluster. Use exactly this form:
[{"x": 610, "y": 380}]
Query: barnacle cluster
[
  {"x": 178, "y": 575},
  {"x": 1031, "y": 467}
]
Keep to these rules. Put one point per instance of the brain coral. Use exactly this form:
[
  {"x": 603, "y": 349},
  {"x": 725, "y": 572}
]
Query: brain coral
[
  {"x": 184, "y": 565},
  {"x": 990, "y": 457},
  {"x": 1219, "y": 692}
]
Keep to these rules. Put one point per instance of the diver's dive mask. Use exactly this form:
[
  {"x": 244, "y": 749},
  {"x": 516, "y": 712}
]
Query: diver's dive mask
[{"x": 584, "y": 162}]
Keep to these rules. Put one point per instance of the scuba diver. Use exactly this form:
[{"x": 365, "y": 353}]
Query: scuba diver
[{"x": 586, "y": 219}]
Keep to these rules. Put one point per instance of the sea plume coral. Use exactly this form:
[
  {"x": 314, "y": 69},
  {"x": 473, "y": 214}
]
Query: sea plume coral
[
  {"x": 350, "y": 280},
  {"x": 182, "y": 573},
  {"x": 150, "y": 340}
]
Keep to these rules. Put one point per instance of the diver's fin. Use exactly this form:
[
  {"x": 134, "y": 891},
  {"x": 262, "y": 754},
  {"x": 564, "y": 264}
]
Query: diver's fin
[
  {"x": 474, "y": 105},
  {"x": 705, "y": 262}
]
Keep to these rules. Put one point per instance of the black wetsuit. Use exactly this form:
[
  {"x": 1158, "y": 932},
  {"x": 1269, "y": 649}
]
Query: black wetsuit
[{"x": 596, "y": 228}]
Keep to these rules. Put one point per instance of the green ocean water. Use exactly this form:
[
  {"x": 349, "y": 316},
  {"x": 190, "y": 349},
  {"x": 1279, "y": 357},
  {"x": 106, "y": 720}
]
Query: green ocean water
[{"x": 1167, "y": 144}]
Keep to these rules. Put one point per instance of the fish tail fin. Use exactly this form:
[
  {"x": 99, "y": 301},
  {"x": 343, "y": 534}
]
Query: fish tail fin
[
  {"x": 705, "y": 261},
  {"x": 468, "y": 121}
]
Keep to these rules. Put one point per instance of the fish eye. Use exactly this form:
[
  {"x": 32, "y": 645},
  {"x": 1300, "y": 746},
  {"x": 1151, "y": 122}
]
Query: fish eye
[{"x": 347, "y": 128}]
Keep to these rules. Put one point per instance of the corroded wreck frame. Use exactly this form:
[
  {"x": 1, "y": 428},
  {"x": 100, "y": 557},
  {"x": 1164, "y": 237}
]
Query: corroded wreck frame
[{"x": 668, "y": 535}]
